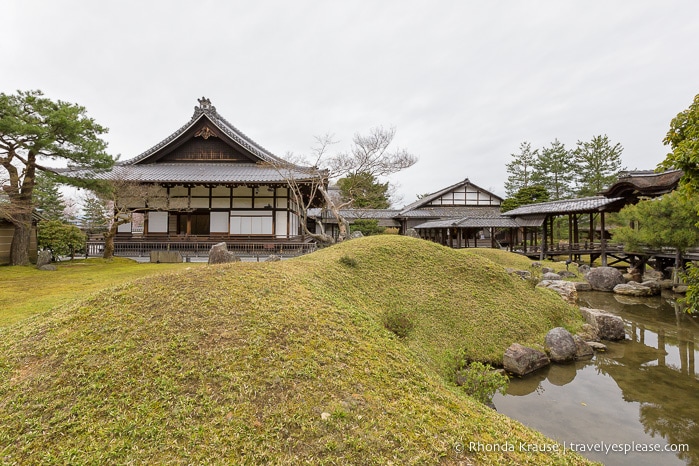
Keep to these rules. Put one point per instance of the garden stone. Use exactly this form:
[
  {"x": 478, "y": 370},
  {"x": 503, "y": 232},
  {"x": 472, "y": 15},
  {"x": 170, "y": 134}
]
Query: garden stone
[
  {"x": 566, "y": 290},
  {"x": 560, "y": 345},
  {"x": 583, "y": 286},
  {"x": 273, "y": 258},
  {"x": 582, "y": 349},
  {"x": 550, "y": 276},
  {"x": 633, "y": 289},
  {"x": 356, "y": 234},
  {"x": 521, "y": 360},
  {"x": 607, "y": 326},
  {"x": 219, "y": 254},
  {"x": 48, "y": 267},
  {"x": 567, "y": 274},
  {"x": 604, "y": 278},
  {"x": 583, "y": 269},
  {"x": 43, "y": 258}
]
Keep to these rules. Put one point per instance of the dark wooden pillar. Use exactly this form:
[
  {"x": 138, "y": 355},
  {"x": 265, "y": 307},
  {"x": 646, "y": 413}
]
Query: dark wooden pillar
[
  {"x": 570, "y": 237},
  {"x": 543, "y": 239},
  {"x": 603, "y": 241}
]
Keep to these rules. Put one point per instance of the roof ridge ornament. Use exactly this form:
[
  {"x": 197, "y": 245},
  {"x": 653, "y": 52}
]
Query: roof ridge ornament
[{"x": 204, "y": 107}]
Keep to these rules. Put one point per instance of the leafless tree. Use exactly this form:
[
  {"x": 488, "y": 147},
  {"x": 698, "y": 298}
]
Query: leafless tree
[
  {"x": 118, "y": 197},
  {"x": 370, "y": 154}
]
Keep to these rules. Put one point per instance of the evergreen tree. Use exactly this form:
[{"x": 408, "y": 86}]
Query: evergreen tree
[
  {"x": 656, "y": 223},
  {"x": 34, "y": 129},
  {"x": 520, "y": 169},
  {"x": 363, "y": 190},
  {"x": 96, "y": 217},
  {"x": 48, "y": 199},
  {"x": 597, "y": 164},
  {"x": 683, "y": 138},
  {"x": 555, "y": 171},
  {"x": 529, "y": 195}
]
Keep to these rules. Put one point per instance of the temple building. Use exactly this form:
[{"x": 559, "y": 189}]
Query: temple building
[{"x": 209, "y": 182}]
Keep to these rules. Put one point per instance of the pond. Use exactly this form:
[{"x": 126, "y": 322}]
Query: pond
[{"x": 642, "y": 394}]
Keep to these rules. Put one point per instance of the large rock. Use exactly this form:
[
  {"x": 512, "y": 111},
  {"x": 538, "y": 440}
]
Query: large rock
[
  {"x": 583, "y": 350},
  {"x": 560, "y": 345},
  {"x": 564, "y": 288},
  {"x": 166, "y": 257},
  {"x": 656, "y": 275},
  {"x": 551, "y": 276},
  {"x": 604, "y": 278},
  {"x": 582, "y": 286},
  {"x": 43, "y": 258},
  {"x": 220, "y": 254},
  {"x": 638, "y": 289},
  {"x": 607, "y": 326},
  {"x": 521, "y": 360}
]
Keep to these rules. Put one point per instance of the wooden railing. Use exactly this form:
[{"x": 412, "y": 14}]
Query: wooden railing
[{"x": 201, "y": 248}]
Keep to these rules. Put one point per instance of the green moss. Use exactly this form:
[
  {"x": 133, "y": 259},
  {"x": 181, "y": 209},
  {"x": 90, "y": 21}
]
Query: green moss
[{"x": 273, "y": 363}]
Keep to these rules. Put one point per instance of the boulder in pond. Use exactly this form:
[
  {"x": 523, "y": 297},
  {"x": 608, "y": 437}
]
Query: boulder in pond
[
  {"x": 637, "y": 289},
  {"x": 607, "y": 326},
  {"x": 560, "y": 345},
  {"x": 604, "y": 278},
  {"x": 521, "y": 360},
  {"x": 219, "y": 254},
  {"x": 583, "y": 350}
]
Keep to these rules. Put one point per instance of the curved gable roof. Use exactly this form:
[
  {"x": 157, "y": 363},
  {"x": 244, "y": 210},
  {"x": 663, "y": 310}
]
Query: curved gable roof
[{"x": 203, "y": 113}]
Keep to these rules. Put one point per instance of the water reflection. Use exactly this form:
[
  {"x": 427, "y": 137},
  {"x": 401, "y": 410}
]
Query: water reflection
[{"x": 642, "y": 390}]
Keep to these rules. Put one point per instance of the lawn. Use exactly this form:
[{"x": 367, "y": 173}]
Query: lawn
[{"x": 25, "y": 291}]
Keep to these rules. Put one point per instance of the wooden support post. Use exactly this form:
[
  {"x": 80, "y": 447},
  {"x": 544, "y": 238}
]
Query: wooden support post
[
  {"x": 492, "y": 237},
  {"x": 603, "y": 243},
  {"x": 543, "y": 239},
  {"x": 570, "y": 237}
]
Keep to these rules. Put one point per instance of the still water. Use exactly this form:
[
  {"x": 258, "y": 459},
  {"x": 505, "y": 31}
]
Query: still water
[{"x": 641, "y": 393}]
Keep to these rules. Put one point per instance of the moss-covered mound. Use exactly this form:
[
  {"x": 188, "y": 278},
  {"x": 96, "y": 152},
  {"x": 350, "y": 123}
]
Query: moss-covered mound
[{"x": 277, "y": 363}]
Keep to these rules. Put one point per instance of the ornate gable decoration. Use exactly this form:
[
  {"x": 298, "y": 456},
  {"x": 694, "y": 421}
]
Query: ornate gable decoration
[{"x": 205, "y": 133}]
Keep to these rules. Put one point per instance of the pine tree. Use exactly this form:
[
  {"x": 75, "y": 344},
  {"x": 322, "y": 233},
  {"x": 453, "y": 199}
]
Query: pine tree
[
  {"x": 520, "y": 169},
  {"x": 554, "y": 169},
  {"x": 597, "y": 164},
  {"x": 48, "y": 199}
]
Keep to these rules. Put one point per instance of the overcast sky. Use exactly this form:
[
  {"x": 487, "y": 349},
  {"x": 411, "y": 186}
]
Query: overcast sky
[{"x": 464, "y": 82}]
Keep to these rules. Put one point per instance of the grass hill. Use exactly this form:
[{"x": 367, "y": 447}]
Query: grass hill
[{"x": 276, "y": 363}]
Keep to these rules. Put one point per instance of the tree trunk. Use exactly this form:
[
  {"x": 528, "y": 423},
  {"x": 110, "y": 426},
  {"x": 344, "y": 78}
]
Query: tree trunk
[
  {"x": 109, "y": 241},
  {"x": 21, "y": 239}
]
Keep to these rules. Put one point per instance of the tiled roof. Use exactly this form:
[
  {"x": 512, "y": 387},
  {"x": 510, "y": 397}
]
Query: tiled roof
[
  {"x": 452, "y": 212},
  {"x": 431, "y": 197},
  {"x": 644, "y": 183},
  {"x": 472, "y": 222},
  {"x": 193, "y": 173},
  {"x": 208, "y": 111},
  {"x": 585, "y": 204}
]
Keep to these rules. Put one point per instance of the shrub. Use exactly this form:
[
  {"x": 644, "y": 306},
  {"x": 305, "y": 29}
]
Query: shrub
[
  {"x": 348, "y": 261},
  {"x": 398, "y": 323},
  {"x": 479, "y": 381},
  {"x": 691, "y": 299},
  {"x": 367, "y": 226},
  {"x": 61, "y": 238}
]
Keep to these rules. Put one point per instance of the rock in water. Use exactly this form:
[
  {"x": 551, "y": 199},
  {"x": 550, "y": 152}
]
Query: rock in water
[
  {"x": 521, "y": 360},
  {"x": 560, "y": 345},
  {"x": 604, "y": 278}
]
